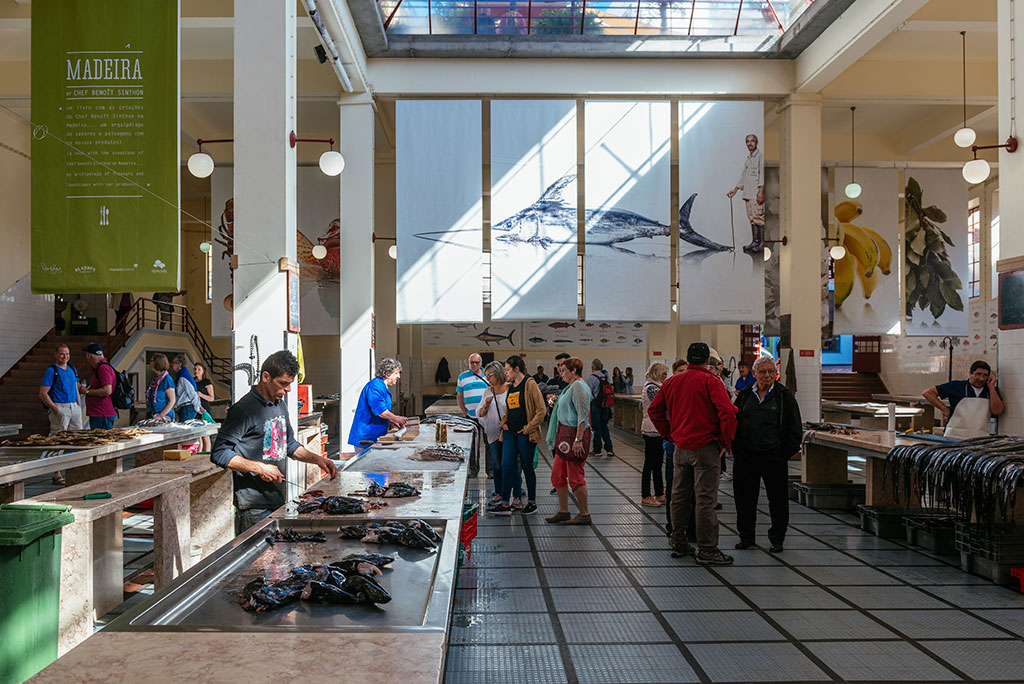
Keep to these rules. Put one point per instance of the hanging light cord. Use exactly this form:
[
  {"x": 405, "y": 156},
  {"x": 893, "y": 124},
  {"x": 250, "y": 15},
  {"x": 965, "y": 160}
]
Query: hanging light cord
[
  {"x": 1013, "y": 75},
  {"x": 853, "y": 145},
  {"x": 963, "y": 36}
]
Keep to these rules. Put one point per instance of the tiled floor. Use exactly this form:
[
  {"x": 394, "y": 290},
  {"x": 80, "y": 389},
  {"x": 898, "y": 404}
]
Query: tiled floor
[{"x": 541, "y": 603}]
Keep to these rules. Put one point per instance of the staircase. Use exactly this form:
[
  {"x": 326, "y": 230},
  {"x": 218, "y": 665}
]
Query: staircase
[
  {"x": 19, "y": 387},
  {"x": 846, "y": 385}
]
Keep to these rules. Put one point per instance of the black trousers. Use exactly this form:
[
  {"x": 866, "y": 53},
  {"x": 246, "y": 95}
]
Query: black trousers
[
  {"x": 747, "y": 475},
  {"x": 654, "y": 456}
]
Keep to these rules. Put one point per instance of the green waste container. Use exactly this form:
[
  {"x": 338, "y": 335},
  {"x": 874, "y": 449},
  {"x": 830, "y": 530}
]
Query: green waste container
[{"x": 30, "y": 588}]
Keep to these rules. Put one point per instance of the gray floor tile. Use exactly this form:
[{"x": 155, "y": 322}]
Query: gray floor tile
[
  {"x": 493, "y": 531},
  {"x": 638, "y": 530},
  {"x": 836, "y": 530},
  {"x": 621, "y": 518},
  {"x": 990, "y": 596},
  {"x": 505, "y": 665},
  {"x": 695, "y": 627},
  {"x": 497, "y": 578},
  {"x": 889, "y": 661},
  {"x": 592, "y": 599},
  {"x": 499, "y": 600},
  {"x": 804, "y": 557},
  {"x": 695, "y": 598},
  {"x": 569, "y": 543},
  {"x": 982, "y": 659},
  {"x": 649, "y": 543},
  {"x": 641, "y": 558},
  {"x": 674, "y": 576},
  {"x": 586, "y": 577},
  {"x": 917, "y": 575},
  {"x": 1012, "y": 620},
  {"x": 798, "y": 542},
  {"x": 756, "y": 663},
  {"x": 621, "y": 664},
  {"x": 893, "y": 557},
  {"x": 839, "y": 575},
  {"x": 622, "y": 508},
  {"x": 792, "y": 597},
  {"x": 771, "y": 576},
  {"x": 750, "y": 556},
  {"x": 881, "y": 598},
  {"x": 938, "y": 624},
  {"x": 612, "y": 628},
  {"x": 489, "y": 544},
  {"x": 499, "y": 560},
  {"x": 538, "y": 528},
  {"x": 577, "y": 559},
  {"x": 510, "y": 628},
  {"x": 854, "y": 542},
  {"x": 829, "y": 624}
]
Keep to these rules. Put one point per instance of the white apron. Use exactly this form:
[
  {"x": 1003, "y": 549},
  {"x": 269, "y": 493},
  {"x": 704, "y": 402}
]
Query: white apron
[{"x": 970, "y": 419}]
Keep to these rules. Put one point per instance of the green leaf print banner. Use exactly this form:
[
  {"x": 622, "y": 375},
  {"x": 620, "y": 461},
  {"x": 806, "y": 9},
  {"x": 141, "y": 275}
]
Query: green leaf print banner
[{"x": 105, "y": 167}]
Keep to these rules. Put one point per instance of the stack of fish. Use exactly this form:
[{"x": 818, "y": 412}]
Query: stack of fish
[
  {"x": 974, "y": 477},
  {"x": 415, "y": 534},
  {"x": 348, "y": 581}
]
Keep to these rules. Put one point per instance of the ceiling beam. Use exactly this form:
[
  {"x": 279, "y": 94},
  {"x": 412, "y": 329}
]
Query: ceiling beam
[
  {"x": 850, "y": 37},
  {"x": 949, "y": 26},
  {"x": 939, "y": 126}
]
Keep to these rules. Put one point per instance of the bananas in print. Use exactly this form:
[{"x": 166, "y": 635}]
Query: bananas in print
[{"x": 868, "y": 255}]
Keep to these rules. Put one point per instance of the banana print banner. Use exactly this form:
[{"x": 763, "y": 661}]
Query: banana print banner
[
  {"x": 935, "y": 248},
  {"x": 867, "y": 287}
]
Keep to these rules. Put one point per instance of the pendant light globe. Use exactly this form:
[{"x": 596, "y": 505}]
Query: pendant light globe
[
  {"x": 767, "y": 253},
  {"x": 332, "y": 163},
  {"x": 393, "y": 252},
  {"x": 200, "y": 165},
  {"x": 976, "y": 171},
  {"x": 965, "y": 137},
  {"x": 837, "y": 252},
  {"x": 319, "y": 251},
  {"x": 853, "y": 190}
]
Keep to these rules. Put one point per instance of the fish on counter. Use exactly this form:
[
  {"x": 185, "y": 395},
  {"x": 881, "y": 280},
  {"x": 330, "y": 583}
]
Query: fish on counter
[
  {"x": 290, "y": 535},
  {"x": 394, "y": 490},
  {"x": 415, "y": 534},
  {"x": 352, "y": 580},
  {"x": 337, "y": 505}
]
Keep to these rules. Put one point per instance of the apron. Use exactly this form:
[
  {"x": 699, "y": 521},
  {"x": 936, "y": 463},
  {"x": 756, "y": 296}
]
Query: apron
[{"x": 970, "y": 419}]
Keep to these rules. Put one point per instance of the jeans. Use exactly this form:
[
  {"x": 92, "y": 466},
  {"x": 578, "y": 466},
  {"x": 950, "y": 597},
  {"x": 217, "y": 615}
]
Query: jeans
[
  {"x": 599, "y": 423},
  {"x": 517, "y": 452},
  {"x": 101, "y": 423},
  {"x": 249, "y": 517},
  {"x": 696, "y": 480},
  {"x": 185, "y": 412},
  {"x": 652, "y": 467},
  {"x": 494, "y": 450},
  {"x": 747, "y": 474},
  {"x": 669, "y": 449}
]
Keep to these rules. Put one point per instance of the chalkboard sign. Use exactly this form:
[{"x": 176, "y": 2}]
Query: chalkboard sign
[{"x": 1011, "y": 300}]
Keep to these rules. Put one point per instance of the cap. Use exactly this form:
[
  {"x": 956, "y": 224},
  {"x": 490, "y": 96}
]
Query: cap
[
  {"x": 698, "y": 352},
  {"x": 93, "y": 348}
]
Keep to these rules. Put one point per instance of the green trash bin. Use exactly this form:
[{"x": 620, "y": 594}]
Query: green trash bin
[{"x": 30, "y": 589}]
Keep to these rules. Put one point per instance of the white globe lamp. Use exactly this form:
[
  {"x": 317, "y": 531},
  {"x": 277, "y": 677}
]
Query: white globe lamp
[
  {"x": 767, "y": 253},
  {"x": 853, "y": 190},
  {"x": 837, "y": 252},
  {"x": 976, "y": 171},
  {"x": 332, "y": 163},
  {"x": 205, "y": 247},
  {"x": 965, "y": 137},
  {"x": 200, "y": 165},
  {"x": 319, "y": 251},
  {"x": 393, "y": 252}
]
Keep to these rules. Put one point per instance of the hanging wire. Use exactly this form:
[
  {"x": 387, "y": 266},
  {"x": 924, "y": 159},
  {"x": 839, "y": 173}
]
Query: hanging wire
[
  {"x": 963, "y": 38},
  {"x": 853, "y": 146},
  {"x": 40, "y": 129},
  {"x": 1013, "y": 74}
]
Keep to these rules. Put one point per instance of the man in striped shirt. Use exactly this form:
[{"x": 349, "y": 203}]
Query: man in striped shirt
[{"x": 470, "y": 391}]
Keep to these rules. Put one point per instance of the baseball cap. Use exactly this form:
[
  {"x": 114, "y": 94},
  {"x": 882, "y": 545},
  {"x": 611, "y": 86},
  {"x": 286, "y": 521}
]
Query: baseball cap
[
  {"x": 698, "y": 352},
  {"x": 93, "y": 348}
]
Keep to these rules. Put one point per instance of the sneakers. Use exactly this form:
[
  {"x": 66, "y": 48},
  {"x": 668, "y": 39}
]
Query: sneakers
[
  {"x": 776, "y": 548},
  {"x": 745, "y": 544},
  {"x": 610, "y": 454},
  {"x": 681, "y": 550},
  {"x": 727, "y": 477},
  {"x": 715, "y": 557},
  {"x": 580, "y": 519},
  {"x": 553, "y": 491},
  {"x": 501, "y": 509},
  {"x": 559, "y": 517},
  {"x": 517, "y": 504},
  {"x": 718, "y": 506},
  {"x": 529, "y": 509},
  {"x": 494, "y": 500},
  {"x": 649, "y": 501},
  {"x": 595, "y": 453}
]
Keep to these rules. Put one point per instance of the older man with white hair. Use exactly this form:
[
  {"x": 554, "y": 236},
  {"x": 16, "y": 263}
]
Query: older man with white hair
[
  {"x": 469, "y": 391},
  {"x": 768, "y": 433}
]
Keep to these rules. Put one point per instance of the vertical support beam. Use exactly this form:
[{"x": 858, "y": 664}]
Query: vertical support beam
[
  {"x": 357, "y": 256},
  {"x": 264, "y": 179},
  {"x": 800, "y": 267},
  {"x": 172, "y": 527},
  {"x": 385, "y": 277}
]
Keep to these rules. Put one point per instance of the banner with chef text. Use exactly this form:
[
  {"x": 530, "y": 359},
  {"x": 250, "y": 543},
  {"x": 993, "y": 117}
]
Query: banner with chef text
[{"x": 105, "y": 148}]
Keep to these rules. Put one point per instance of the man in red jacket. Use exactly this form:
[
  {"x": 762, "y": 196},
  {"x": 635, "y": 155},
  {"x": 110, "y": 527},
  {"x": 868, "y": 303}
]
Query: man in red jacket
[{"x": 693, "y": 410}]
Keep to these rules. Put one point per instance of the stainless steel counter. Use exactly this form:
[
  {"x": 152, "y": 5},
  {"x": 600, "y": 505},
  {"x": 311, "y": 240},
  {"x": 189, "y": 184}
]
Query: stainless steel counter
[{"x": 8, "y": 429}]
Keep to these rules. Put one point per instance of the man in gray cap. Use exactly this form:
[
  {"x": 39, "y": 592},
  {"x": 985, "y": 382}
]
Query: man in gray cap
[
  {"x": 99, "y": 405},
  {"x": 693, "y": 410}
]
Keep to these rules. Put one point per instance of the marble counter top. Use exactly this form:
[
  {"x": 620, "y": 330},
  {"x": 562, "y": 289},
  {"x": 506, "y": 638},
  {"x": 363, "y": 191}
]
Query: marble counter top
[
  {"x": 127, "y": 488},
  {"x": 197, "y": 467},
  {"x": 877, "y": 441},
  {"x": 869, "y": 408},
  {"x": 7, "y": 429},
  {"x": 228, "y": 658}
]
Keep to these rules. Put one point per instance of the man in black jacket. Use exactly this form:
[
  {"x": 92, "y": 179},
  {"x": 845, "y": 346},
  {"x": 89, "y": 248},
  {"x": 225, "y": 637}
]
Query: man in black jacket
[{"x": 768, "y": 433}]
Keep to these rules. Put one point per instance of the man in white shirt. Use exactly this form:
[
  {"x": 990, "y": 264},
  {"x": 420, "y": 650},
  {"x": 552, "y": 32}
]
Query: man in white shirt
[
  {"x": 751, "y": 182},
  {"x": 470, "y": 390}
]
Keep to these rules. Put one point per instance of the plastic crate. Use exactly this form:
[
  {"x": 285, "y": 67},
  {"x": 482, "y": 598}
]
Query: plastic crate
[
  {"x": 794, "y": 480},
  {"x": 885, "y": 521},
  {"x": 994, "y": 544},
  {"x": 844, "y": 497},
  {"x": 936, "y": 534},
  {"x": 998, "y": 573}
]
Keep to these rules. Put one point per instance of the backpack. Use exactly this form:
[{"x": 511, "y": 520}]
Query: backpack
[
  {"x": 123, "y": 394},
  {"x": 605, "y": 398}
]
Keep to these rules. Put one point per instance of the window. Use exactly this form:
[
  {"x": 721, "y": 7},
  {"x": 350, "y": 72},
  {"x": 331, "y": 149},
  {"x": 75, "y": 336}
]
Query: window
[{"x": 974, "y": 251}]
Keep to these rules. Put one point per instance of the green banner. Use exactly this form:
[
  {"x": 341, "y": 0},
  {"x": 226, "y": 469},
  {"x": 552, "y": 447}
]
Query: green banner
[{"x": 105, "y": 146}]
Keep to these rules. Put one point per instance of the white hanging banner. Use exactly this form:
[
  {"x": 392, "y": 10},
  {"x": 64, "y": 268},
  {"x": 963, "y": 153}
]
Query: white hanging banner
[
  {"x": 867, "y": 286},
  {"x": 935, "y": 268},
  {"x": 720, "y": 150},
  {"x": 439, "y": 211},
  {"x": 628, "y": 206},
  {"x": 533, "y": 209}
]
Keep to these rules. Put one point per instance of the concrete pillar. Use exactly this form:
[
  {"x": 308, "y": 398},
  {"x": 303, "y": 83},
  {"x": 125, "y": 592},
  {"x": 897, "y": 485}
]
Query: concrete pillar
[
  {"x": 800, "y": 260},
  {"x": 264, "y": 180},
  {"x": 357, "y": 255},
  {"x": 1011, "y": 211}
]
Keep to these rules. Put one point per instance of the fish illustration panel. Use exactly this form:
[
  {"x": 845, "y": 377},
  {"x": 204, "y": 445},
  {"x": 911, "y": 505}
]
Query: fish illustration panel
[
  {"x": 867, "y": 286},
  {"x": 439, "y": 211},
  {"x": 317, "y": 214},
  {"x": 935, "y": 267},
  {"x": 476, "y": 336},
  {"x": 721, "y": 213},
  {"x": 628, "y": 205},
  {"x": 533, "y": 209},
  {"x": 590, "y": 334}
]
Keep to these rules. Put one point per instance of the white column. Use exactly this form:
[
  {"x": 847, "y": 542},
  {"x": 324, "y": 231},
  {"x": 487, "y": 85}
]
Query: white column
[
  {"x": 357, "y": 256},
  {"x": 800, "y": 259},
  {"x": 1011, "y": 210},
  {"x": 264, "y": 178}
]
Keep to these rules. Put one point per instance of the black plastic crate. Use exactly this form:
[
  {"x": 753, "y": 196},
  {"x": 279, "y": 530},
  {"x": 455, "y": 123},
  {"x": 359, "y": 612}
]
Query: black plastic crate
[
  {"x": 845, "y": 497},
  {"x": 885, "y": 521},
  {"x": 995, "y": 544},
  {"x": 794, "y": 480},
  {"x": 997, "y": 572},
  {"x": 934, "y": 533}
]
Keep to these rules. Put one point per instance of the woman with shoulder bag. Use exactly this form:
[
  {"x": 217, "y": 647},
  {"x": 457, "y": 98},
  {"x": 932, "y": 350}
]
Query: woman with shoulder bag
[
  {"x": 654, "y": 453},
  {"x": 520, "y": 434},
  {"x": 490, "y": 412},
  {"x": 569, "y": 437}
]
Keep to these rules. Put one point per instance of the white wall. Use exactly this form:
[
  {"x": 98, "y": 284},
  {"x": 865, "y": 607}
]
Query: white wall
[{"x": 24, "y": 319}]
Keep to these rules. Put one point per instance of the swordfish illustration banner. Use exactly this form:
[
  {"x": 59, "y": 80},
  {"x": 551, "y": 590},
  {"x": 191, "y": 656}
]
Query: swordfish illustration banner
[{"x": 536, "y": 335}]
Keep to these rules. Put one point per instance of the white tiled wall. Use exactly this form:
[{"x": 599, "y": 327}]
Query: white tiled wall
[
  {"x": 808, "y": 386},
  {"x": 24, "y": 319},
  {"x": 1011, "y": 381}
]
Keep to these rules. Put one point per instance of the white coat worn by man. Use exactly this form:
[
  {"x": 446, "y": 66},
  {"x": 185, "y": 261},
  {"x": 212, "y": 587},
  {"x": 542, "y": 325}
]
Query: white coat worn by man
[{"x": 972, "y": 402}]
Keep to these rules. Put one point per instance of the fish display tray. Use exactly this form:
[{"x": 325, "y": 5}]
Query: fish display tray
[
  {"x": 998, "y": 572},
  {"x": 886, "y": 521},
  {"x": 937, "y": 535},
  {"x": 207, "y": 597},
  {"x": 844, "y": 497}
]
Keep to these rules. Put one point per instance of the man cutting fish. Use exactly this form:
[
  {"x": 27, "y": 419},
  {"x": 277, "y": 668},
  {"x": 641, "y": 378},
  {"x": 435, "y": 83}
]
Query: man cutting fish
[{"x": 972, "y": 402}]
